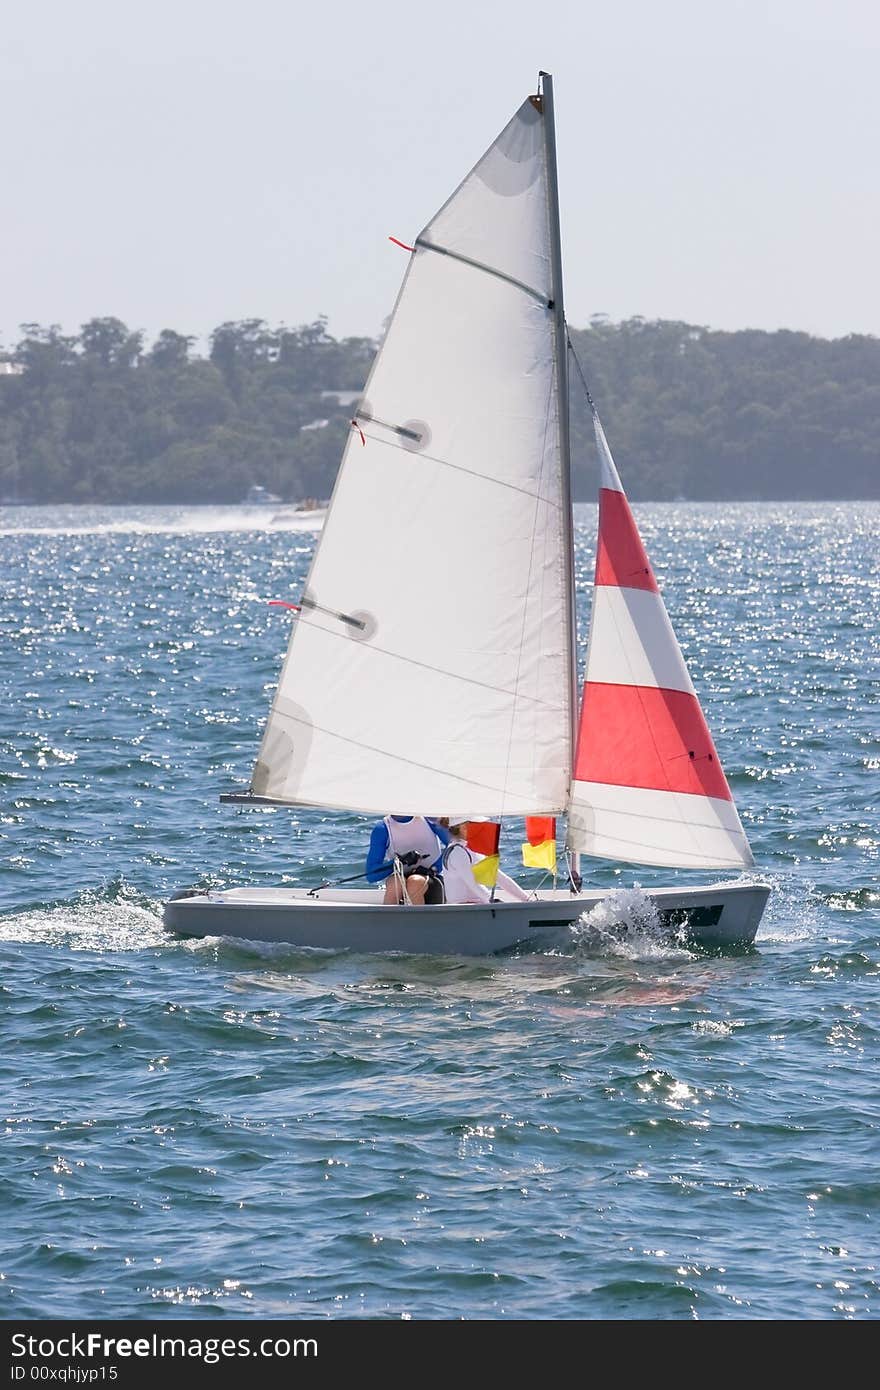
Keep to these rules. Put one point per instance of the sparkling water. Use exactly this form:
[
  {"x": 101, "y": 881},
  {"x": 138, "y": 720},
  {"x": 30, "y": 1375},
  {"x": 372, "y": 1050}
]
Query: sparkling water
[{"x": 216, "y": 1128}]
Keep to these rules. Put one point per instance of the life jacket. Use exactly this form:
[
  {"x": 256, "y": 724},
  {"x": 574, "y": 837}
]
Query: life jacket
[
  {"x": 457, "y": 844},
  {"x": 413, "y": 835}
]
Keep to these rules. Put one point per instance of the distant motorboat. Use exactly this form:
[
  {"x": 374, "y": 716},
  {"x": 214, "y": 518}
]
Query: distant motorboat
[
  {"x": 307, "y": 509},
  {"x": 258, "y": 496}
]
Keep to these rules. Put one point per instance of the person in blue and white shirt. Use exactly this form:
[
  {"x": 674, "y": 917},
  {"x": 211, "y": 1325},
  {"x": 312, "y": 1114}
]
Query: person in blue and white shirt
[{"x": 406, "y": 853}]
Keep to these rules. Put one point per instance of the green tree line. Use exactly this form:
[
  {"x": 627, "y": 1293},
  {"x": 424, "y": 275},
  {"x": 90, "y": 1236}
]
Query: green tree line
[{"x": 103, "y": 417}]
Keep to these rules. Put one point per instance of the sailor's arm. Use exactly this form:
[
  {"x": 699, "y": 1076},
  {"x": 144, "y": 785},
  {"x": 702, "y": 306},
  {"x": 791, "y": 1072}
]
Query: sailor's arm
[
  {"x": 378, "y": 855},
  {"x": 511, "y": 886}
]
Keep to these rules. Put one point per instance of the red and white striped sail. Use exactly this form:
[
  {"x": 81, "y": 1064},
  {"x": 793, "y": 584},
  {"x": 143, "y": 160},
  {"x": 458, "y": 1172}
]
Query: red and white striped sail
[{"x": 647, "y": 786}]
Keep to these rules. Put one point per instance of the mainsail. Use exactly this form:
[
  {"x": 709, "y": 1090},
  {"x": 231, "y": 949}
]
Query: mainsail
[
  {"x": 647, "y": 785},
  {"x": 430, "y": 670}
]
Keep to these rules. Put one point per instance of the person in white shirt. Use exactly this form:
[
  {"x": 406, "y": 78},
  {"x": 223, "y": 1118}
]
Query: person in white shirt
[{"x": 458, "y": 878}]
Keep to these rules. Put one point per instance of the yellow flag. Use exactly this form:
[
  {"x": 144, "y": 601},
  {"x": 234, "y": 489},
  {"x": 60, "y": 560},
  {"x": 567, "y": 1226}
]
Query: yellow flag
[
  {"x": 485, "y": 871},
  {"x": 541, "y": 856}
]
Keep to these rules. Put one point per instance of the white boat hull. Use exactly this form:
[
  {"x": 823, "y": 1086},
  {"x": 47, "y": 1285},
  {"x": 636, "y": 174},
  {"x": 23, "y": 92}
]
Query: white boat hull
[{"x": 714, "y": 916}]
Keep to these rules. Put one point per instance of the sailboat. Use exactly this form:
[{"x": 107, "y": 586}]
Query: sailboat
[{"x": 456, "y": 476}]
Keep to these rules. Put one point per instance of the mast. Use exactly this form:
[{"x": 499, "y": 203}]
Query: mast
[{"x": 546, "y": 81}]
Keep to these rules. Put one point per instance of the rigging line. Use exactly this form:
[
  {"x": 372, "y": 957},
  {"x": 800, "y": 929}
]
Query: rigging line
[
  {"x": 574, "y": 878},
  {"x": 542, "y": 298},
  {"x": 426, "y": 666},
  {"x": 580, "y": 370},
  {"x": 469, "y": 472}
]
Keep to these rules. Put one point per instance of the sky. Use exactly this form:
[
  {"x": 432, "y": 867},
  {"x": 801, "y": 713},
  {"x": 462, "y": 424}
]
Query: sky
[{"x": 182, "y": 164}]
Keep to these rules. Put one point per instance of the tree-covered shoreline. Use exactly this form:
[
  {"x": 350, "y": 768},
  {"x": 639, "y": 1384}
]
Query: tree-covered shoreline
[{"x": 103, "y": 417}]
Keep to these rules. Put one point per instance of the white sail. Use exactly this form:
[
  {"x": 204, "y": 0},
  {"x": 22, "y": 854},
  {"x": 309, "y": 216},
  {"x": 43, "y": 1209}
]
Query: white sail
[
  {"x": 647, "y": 784},
  {"x": 430, "y": 668}
]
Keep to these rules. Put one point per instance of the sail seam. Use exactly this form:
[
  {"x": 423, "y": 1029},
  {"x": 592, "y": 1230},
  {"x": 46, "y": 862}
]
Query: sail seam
[
  {"x": 637, "y": 847},
  {"x": 469, "y": 472},
  {"x": 396, "y": 757},
  {"x": 594, "y": 781},
  {"x": 437, "y": 670},
  {"x": 541, "y": 297},
  {"x": 681, "y": 819}
]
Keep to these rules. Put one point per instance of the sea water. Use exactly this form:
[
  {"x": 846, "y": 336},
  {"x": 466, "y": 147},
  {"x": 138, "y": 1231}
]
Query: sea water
[{"x": 223, "y": 1129}]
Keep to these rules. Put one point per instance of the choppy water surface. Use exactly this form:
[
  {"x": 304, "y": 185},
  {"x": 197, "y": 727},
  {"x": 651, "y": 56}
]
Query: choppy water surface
[{"x": 218, "y": 1129}]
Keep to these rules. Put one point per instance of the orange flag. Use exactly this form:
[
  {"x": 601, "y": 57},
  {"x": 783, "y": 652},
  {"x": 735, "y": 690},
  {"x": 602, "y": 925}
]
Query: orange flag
[
  {"x": 540, "y": 828},
  {"x": 483, "y": 836}
]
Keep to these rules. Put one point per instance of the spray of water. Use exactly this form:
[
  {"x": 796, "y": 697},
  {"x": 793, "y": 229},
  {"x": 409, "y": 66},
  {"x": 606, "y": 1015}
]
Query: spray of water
[{"x": 626, "y": 923}]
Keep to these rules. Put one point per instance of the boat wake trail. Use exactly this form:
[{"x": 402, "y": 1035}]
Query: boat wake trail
[
  {"x": 153, "y": 521},
  {"x": 115, "y": 917}
]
